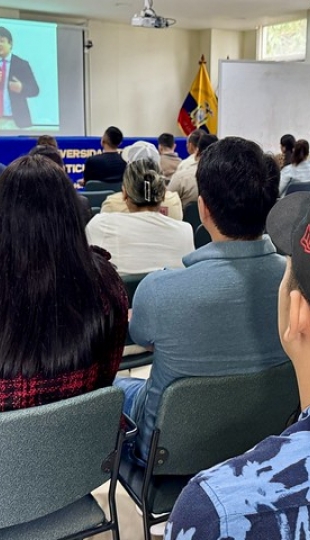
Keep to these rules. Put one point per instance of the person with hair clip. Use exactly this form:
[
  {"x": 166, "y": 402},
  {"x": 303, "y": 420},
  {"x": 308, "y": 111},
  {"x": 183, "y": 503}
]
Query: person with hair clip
[
  {"x": 63, "y": 307},
  {"x": 299, "y": 170},
  {"x": 143, "y": 240}
]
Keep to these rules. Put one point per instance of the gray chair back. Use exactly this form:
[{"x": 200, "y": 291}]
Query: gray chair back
[
  {"x": 51, "y": 455},
  {"x": 96, "y": 198},
  {"x": 205, "y": 420},
  {"x": 298, "y": 186},
  {"x": 114, "y": 184}
]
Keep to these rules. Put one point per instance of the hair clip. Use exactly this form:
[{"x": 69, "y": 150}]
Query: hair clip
[{"x": 147, "y": 191}]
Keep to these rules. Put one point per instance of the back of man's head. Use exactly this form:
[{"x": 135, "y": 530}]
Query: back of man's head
[
  {"x": 204, "y": 142},
  {"x": 166, "y": 140},
  {"x": 112, "y": 137},
  {"x": 239, "y": 184}
]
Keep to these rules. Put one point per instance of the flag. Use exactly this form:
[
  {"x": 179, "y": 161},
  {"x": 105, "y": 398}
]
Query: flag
[{"x": 199, "y": 109}]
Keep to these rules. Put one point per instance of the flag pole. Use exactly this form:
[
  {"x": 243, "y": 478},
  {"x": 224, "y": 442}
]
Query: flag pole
[{"x": 202, "y": 60}]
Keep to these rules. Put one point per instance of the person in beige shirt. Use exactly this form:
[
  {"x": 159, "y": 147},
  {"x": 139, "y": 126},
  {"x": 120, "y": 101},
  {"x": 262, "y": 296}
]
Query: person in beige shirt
[
  {"x": 191, "y": 147},
  {"x": 169, "y": 159},
  {"x": 184, "y": 181}
]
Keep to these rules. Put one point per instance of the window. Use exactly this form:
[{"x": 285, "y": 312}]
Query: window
[{"x": 285, "y": 41}]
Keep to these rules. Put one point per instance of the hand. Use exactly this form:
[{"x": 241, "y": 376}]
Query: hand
[{"x": 15, "y": 85}]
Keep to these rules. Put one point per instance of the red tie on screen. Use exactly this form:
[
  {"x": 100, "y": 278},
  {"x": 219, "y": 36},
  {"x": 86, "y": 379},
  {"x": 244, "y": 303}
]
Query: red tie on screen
[{"x": 3, "y": 69}]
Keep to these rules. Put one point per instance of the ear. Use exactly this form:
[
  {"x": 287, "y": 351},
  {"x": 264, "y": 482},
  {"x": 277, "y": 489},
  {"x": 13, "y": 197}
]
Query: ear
[
  {"x": 299, "y": 318},
  {"x": 124, "y": 192},
  {"x": 204, "y": 213}
]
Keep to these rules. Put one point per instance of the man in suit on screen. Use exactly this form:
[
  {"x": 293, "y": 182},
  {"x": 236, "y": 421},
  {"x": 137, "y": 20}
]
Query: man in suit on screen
[{"x": 17, "y": 83}]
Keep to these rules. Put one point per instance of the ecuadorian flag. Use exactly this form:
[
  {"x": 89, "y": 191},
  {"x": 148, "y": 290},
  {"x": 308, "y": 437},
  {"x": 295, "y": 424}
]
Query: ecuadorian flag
[{"x": 199, "y": 109}]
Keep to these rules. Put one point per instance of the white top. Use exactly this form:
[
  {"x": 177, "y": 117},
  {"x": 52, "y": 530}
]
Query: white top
[
  {"x": 141, "y": 241},
  {"x": 187, "y": 162},
  {"x": 293, "y": 174},
  {"x": 171, "y": 205}
]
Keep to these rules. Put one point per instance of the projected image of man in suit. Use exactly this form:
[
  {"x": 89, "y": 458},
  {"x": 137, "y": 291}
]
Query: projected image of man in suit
[{"x": 17, "y": 83}]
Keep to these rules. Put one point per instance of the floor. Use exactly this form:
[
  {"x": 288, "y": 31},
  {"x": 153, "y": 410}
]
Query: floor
[{"x": 130, "y": 522}]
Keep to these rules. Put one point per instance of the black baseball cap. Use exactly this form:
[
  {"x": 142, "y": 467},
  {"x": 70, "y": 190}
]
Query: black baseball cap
[{"x": 288, "y": 225}]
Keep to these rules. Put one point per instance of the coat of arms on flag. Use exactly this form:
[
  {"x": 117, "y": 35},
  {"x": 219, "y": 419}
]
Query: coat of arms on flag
[{"x": 199, "y": 109}]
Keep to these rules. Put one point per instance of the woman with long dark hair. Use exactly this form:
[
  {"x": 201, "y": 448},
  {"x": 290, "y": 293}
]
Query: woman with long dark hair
[
  {"x": 299, "y": 170},
  {"x": 287, "y": 143},
  {"x": 63, "y": 308}
]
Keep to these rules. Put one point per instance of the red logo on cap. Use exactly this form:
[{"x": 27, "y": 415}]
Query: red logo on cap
[{"x": 305, "y": 240}]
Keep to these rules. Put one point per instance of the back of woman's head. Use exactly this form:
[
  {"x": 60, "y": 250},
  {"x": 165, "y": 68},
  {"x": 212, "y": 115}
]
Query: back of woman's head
[
  {"x": 144, "y": 183},
  {"x": 49, "y": 151},
  {"x": 48, "y": 290},
  {"x": 287, "y": 145},
  {"x": 300, "y": 152}
]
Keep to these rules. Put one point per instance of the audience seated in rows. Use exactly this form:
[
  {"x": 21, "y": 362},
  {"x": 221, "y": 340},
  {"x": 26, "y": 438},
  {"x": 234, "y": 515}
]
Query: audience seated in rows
[
  {"x": 217, "y": 316},
  {"x": 184, "y": 181},
  {"x": 169, "y": 159},
  {"x": 143, "y": 240},
  {"x": 264, "y": 493},
  {"x": 287, "y": 143},
  {"x": 109, "y": 165},
  {"x": 299, "y": 170},
  {"x": 171, "y": 205},
  {"x": 63, "y": 308}
]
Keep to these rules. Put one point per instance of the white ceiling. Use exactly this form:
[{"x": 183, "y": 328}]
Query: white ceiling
[{"x": 194, "y": 14}]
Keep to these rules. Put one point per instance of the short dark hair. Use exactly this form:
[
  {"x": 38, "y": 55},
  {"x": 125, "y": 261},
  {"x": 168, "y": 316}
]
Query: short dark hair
[
  {"x": 47, "y": 140},
  {"x": 114, "y": 136},
  {"x": 49, "y": 151},
  {"x": 195, "y": 136},
  {"x": 239, "y": 183},
  {"x": 204, "y": 142},
  {"x": 166, "y": 139},
  {"x": 4, "y": 32}
]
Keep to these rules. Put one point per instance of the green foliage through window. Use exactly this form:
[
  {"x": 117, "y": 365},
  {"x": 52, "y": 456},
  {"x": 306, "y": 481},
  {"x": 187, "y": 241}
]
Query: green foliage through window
[{"x": 285, "y": 40}]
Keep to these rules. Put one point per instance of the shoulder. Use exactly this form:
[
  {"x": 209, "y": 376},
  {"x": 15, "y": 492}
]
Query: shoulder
[{"x": 18, "y": 61}]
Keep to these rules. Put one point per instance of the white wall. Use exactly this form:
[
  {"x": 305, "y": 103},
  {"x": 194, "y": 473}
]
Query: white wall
[
  {"x": 224, "y": 43},
  {"x": 139, "y": 77}
]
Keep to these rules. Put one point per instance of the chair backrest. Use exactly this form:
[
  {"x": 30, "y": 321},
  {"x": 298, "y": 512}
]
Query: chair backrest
[
  {"x": 99, "y": 185},
  {"x": 191, "y": 215},
  {"x": 131, "y": 282},
  {"x": 298, "y": 186},
  {"x": 51, "y": 455},
  {"x": 201, "y": 237},
  {"x": 96, "y": 198},
  {"x": 206, "y": 420}
]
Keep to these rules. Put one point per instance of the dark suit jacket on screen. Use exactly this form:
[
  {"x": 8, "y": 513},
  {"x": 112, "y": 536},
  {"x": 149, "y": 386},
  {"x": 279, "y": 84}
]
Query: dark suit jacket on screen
[{"x": 21, "y": 69}]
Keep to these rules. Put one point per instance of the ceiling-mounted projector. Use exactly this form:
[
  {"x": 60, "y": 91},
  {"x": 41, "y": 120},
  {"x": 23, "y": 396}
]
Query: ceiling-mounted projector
[{"x": 149, "y": 19}]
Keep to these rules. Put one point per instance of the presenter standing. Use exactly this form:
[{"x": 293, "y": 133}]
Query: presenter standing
[{"x": 17, "y": 83}]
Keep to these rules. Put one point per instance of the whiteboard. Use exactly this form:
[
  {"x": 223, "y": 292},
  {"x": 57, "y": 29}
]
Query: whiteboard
[{"x": 262, "y": 101}]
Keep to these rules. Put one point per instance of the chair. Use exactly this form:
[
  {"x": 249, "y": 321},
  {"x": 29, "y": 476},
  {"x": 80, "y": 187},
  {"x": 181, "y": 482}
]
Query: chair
[
  {"x": 202, "y": 421},
  {"x": 52, "y": 457},
  {"x": 113, "y": 184},
  {"x": 201, "y": 237},
  {"x": 191, "y": 215},
  {"x": 96, "y": 198},
  {"x": 131, "y": 282},
  {"x": 298, "y": 186}
]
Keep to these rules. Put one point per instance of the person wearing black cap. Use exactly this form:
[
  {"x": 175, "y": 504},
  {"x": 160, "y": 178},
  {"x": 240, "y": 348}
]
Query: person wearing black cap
[{"x": 272, "y": 480}]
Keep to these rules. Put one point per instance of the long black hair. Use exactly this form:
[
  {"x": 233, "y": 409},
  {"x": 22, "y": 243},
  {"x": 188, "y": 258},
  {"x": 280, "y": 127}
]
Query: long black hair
[{"x": 51, "y": 307}]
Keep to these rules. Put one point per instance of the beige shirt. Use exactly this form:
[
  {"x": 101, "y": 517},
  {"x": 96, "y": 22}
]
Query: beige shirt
[
  {"x": 169, "y": 163},
  {"x": 187, "y": 162},
  {"x": 171, "y": 206},
  {"x": 185, "y": 184}
]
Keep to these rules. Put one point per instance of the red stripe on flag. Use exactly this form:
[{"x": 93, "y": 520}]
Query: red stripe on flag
[{"x": 185, "y": 122}]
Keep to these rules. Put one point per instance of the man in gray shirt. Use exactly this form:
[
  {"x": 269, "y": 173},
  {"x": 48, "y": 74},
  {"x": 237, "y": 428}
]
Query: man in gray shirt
[{"x": 218, "y": 315}]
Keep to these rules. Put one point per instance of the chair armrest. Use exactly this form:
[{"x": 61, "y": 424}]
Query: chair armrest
[{"x": 131, "y": 430}]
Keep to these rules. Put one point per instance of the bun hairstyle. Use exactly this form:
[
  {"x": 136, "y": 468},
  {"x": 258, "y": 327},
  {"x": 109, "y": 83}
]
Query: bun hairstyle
[
  {"x": 144, "y": 183},
  {"x": 300, "y": 152}
]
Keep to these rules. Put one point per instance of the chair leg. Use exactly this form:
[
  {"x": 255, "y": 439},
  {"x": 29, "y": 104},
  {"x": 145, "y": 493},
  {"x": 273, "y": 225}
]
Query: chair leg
[{"x": 146, "y": 522}]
